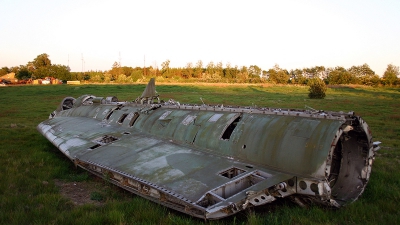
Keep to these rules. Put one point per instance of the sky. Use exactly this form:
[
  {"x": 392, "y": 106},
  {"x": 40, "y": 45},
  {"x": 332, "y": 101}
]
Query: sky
[{"x": 92, "y": 35}]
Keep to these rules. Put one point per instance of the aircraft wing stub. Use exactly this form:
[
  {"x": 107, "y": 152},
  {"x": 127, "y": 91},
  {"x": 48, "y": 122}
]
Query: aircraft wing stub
[{"x": 214, "y": 161}]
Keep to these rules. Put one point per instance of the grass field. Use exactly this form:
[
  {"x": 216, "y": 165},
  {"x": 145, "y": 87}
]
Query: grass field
[{"x": 39, "y": 185}]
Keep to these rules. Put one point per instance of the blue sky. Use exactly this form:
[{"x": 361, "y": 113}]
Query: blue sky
[{"x": 292, "y": 34}]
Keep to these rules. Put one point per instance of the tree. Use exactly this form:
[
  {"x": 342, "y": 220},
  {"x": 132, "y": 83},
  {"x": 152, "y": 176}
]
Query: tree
[
  {"x": 254, "y": 70},
  {"x": 320, "y": 71},
  {"x": 243, "y": 74},
  {"x": 165, "y": 71},
  {"x": 210, "y": 70},
  {"x": 23, "y": 73},
  {"x": 264, "y": 74},
  {"x": 86, "y": 77},
  {"x": 152, "y": 72},
  {"x": 363, "y": 74},
  {"x": 40, "y": 67},
  {"x": 4, "y": 70},
  {"x": 278, "y": 75},
  {"x": 14, "y": 69},
  {"x": 121, "y": 78},
  {"x": 127, "y": 70},
  {"x": 231, "y": 72},
  {"x": 96, "y": 76},
  {"x": 297, "y": 77},
  {"x": 60, "y": 72},
  {"x": 219, "y": 70},
  {"x": 317, "y": 88},
  {"x": 136, "y": 75},
  {"x": 228, "y": 71},
  {"x": 115, "y": 71},
  {"x": 176, "y": 73},
  {"x": 340, "y": 75},
  {"x": 188, "y": 71},
  {"x": 42, "y": 72},
  {"x": 41, "y": 60},
  {"x": 390, "y": 75},
  {"x": 198, "y": 70}
]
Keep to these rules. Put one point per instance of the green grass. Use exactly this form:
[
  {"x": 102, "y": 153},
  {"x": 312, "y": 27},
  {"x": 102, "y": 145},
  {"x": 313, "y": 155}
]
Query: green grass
[{"x": 30, "y": 164}]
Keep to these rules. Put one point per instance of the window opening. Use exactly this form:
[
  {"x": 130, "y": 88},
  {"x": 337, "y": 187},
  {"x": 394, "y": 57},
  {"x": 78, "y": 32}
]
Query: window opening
[
  {"x": 95, "y": 146},
  {"x": 122, "y": 118},
  {"x": 188, "y": 120},
  {"x": 215, "y": 118},
  {"x": 134, "y": 118},
  {"x": 164, "y": 115},
  {"x": 109, "y": 115}
]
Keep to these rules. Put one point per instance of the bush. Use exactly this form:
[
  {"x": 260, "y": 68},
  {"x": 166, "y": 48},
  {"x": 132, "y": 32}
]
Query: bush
[{"x": 317, "y": 88}]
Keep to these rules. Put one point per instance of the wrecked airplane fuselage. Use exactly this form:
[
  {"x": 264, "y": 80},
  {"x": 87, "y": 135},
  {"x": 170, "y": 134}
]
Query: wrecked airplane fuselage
[{"x": 213, "y": 161}]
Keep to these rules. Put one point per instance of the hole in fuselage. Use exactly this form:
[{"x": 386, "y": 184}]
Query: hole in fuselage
[
  {"x": 68, "y": 103},
  {"x": 232, "y": 172},
  {"x": 228, "y": 131}
]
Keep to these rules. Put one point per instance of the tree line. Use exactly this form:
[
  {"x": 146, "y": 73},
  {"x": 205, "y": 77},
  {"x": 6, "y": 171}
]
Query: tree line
[{"x": 42, "y": 67}]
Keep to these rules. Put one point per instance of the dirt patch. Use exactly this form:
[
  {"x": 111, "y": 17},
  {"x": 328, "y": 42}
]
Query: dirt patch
[{"x": 80, "y": 193}]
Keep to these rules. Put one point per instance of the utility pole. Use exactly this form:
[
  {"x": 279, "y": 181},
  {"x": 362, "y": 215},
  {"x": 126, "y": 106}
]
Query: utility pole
[
  {"x": 119, "y": 59},
  {"x": 82, "y": 61},
  {"x": 144, "y": 65}
]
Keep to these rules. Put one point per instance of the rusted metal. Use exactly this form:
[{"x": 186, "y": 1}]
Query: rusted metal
[{"x": 214, "y": 161}]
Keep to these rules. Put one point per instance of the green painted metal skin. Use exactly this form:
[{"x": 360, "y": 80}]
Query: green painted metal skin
[{"x": 212, "y": 161}]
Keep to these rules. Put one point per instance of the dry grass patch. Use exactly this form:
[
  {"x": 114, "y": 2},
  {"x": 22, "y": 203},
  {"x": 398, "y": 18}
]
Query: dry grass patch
[{"x": 80, "y": 193}]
